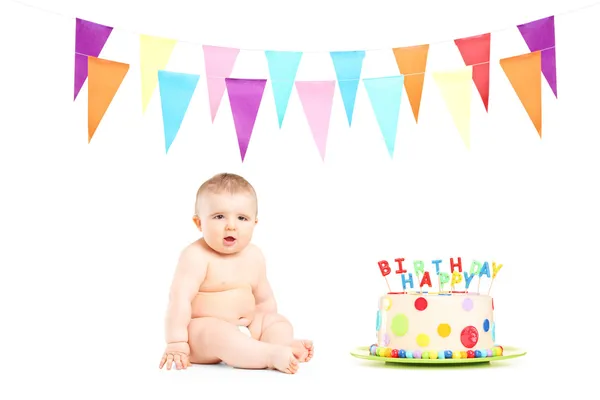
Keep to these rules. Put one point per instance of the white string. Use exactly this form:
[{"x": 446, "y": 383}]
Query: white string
[{"x": 571, "y": 11}]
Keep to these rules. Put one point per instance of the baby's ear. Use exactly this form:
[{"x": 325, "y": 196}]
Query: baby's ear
[
  {"x": 197, "y": 222},
  {"x": 256, "y": 220}
]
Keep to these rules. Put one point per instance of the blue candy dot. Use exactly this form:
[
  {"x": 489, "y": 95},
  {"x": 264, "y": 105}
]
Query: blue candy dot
[
  {"x": 448, "y": 354},
  {"x": 378, "y": 325},
  {"x": 486, "y": 325},
  {"x": 373, "y": 350},
  {"x": 401, "y": 353},
  {"x": 441, "y": 354},
  {"x": 409, "y": 354},
  {"x": 483, "y": 353},
  {"x": 494, "y": 332},
  {"x": 477, "y": 354}
]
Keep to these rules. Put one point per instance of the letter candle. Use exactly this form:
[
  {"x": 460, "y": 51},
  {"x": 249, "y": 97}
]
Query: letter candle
[{"x": 452, "y": 275}]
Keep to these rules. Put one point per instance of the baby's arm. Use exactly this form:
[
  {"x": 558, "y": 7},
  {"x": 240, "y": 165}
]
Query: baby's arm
[
  {"x": 189, "y": 275},
  {"x": 263, "y": 294}
]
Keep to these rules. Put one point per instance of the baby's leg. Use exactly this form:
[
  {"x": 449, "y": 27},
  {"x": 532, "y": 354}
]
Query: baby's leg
[
  {"x": 212, "y": 340},
  {"x": 275, "y": 328}
]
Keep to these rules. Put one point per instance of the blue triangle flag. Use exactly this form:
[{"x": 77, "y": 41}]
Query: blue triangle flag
[
  {"x": 385, "y": 95},
  {"x": 348, "y": 66},
  {"x": 176, "y": 90},
  {"x": 283, "y": 66}
]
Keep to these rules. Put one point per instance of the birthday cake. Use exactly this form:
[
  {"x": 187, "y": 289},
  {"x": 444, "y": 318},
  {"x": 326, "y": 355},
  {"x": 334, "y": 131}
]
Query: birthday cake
[{"x": 444, "y": 324}]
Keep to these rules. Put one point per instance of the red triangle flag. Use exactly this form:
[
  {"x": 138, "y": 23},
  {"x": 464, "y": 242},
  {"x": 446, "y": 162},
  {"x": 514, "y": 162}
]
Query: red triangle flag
[{"x": 475, "y": 51}]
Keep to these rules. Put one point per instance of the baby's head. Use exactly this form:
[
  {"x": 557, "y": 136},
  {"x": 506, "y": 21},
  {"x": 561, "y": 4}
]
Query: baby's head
[{"x": 226, "y": 212}]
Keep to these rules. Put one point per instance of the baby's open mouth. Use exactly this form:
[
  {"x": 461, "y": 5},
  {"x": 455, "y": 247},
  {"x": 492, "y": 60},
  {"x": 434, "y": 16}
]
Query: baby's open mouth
[{"x": 229, "y": 239}]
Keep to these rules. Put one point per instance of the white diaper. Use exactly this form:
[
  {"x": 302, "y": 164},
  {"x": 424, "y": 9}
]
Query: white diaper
[{"x": 245, "y": 330}]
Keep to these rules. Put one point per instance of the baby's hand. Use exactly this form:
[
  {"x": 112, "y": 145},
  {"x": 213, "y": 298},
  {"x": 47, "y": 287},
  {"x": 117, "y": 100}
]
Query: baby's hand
[{"x": 177, "y": 353}]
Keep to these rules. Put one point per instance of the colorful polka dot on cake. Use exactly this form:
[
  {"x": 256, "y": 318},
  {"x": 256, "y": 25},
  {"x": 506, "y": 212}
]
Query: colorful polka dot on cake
[
  {"x": 444, "y": 330},
  {"x": 467, "y": 304},
  {"x": 399, "y": 325},
  {"x": 469, "y": 337},
  {"x": 423, "y": 340},
  {"x": 486, "y": 325},
  {"x": 386, "y": 339},
  {"x": 421, "y": 303},
  {"x": 386, "y": 303},
  {"x": 378, "y": 323}
]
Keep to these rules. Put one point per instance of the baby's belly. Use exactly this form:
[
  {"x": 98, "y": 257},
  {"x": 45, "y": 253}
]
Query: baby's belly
[{"x": 234, "y": 305}]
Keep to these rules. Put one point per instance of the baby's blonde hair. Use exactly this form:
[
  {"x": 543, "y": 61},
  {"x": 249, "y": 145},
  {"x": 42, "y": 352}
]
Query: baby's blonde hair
[{"x": 224, "y": 182}]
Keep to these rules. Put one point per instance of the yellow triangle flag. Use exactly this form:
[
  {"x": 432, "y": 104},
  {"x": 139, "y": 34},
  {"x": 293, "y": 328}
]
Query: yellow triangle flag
[
  {"x": 455, "y": 86},
  {"x": 154, "y": 56}
]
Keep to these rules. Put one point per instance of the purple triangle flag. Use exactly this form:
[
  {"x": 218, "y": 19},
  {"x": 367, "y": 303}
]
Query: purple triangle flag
[
  {"x": 90, "y": 38},
  {"x": 245, "y": 96},
  {"x": 539, "y": 36}
]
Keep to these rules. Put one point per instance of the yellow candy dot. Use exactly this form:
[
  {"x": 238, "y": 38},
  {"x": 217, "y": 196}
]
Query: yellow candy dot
[
  {"x": 433, "y": 355},
  {"x": 444, "y": 330},
  {"x": 456, "y": 354},
  {"x": 387, "y": 352},
  {"x": 463, "y": 354},
  {"x": 423, "y": 340}
]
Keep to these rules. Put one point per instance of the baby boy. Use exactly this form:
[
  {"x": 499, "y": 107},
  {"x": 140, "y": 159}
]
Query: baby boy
[{"x": 221, "y": 306}]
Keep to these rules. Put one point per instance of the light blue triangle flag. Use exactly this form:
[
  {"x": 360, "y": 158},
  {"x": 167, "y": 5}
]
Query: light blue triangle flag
[
  {"x": 348, "y": 66},
  {"x": 283, "y": 66},
  {"x": 176, "y": 90},
  {"x": 385, "y": 95}
]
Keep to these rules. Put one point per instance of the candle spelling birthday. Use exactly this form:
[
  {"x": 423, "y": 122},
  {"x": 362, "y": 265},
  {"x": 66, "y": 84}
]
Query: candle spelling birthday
[{"x": 447, "y": 276}]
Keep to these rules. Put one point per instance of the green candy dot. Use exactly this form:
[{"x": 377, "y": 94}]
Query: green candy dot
[{"x": 400, "y": 325}]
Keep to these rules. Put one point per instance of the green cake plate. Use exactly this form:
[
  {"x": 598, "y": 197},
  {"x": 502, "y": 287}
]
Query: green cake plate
[{"x": 508, "y": 353}]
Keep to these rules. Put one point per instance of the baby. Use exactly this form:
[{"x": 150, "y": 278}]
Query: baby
[{"x": 221, "y": 306}]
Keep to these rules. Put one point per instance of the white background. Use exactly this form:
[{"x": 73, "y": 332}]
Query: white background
[{"x": 91, "y": 233}]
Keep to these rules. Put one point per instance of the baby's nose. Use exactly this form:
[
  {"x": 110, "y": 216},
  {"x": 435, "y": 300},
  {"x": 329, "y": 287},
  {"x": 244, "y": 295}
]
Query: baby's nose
[{"x": 230, "y": 224}]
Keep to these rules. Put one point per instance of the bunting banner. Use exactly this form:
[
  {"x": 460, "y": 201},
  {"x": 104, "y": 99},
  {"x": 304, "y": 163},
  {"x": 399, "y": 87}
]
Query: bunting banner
[
  {"x": 283, "y": 66},
  {"x": 523, "y": 71},
  {"x": 245, "y": 96},
  {"x": 176, "y": 90},
  {"x": 104, "y": 79},
  {"x": 455, "y": 87},
  {"x": 385, "y": 95}
]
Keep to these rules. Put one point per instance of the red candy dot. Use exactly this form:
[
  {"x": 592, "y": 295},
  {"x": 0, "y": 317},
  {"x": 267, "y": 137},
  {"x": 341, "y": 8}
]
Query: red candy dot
[
  {"x": 395, "y": 353},
  {"x": 469, "y": 337},
  {"x": 421, "y": 303},
  {"x": 470, "y": 354}
]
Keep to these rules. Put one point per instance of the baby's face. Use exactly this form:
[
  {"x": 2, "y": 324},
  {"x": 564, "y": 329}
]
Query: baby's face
[{"x": 227, "y": 220}]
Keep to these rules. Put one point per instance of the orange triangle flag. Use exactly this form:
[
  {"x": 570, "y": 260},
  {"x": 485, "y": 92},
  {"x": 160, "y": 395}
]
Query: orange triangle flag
[
  {"x": 525, "y": 76},
  {"x": 411, "y": 63},
  {"x": 104, "y": 79}
]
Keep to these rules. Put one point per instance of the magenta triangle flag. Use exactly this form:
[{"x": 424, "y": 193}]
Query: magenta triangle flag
[
  {"x": 219, "y": 62},
  {"x": 245, "y": 96},
  {"x": 90, "y": 39},
  {"x": 316, "y": 98},
  {"x": 539, "y": 36}
]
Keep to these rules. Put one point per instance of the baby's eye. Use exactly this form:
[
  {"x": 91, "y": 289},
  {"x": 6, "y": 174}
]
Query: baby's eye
[
  {"x": 241, "y": 218},
  {"x": 218, "y": 216}
]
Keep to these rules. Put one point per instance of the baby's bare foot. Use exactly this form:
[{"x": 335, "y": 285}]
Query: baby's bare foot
[
  {"x": 283, "y": 359},
  {"x": 303, "y": 350}
]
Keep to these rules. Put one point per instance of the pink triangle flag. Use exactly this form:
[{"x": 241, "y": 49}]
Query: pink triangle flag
[
  {"x": 245, "y": 96},
  {"x": 219, "y": 62},
  {"x": 317, "y": 99}
]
